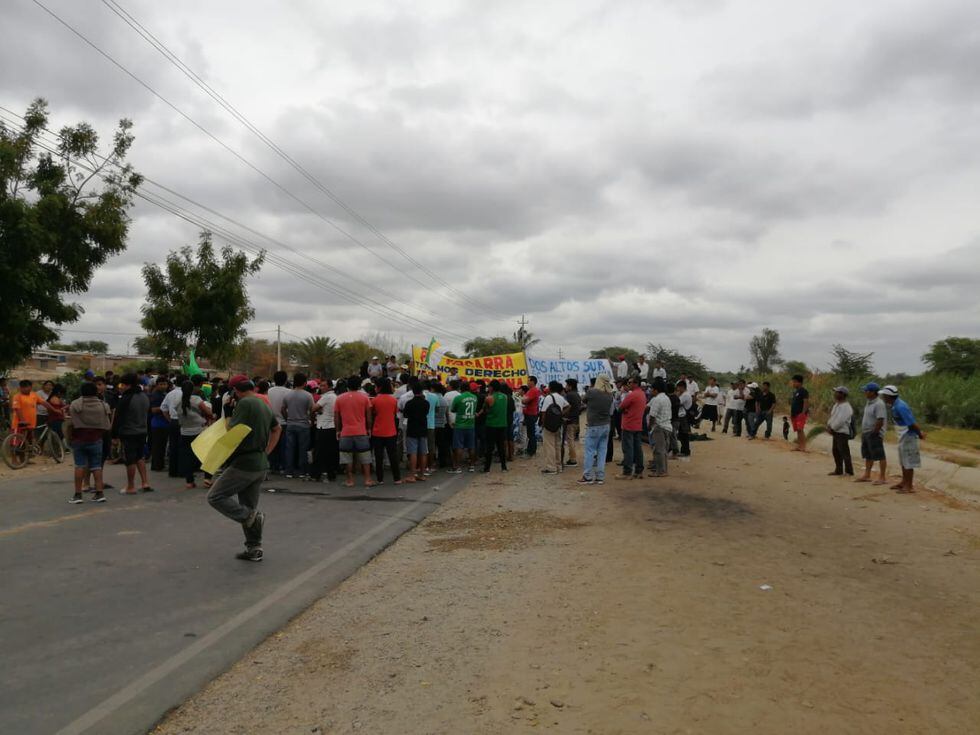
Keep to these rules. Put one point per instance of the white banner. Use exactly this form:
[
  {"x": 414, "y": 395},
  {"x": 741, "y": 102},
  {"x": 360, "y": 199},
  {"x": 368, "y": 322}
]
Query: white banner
[{"x": 546, "y": 369}]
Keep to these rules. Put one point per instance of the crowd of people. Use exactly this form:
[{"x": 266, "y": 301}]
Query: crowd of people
[{"x": 384, "y": 421}]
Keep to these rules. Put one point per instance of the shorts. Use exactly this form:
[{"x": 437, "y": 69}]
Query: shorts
[
  {"x": 416, "y": 445},
  {"x": 356, "y": 449},
  {"x": 132, "y": 448},
  {"x": 709, "y": 413},
  {"x": 872, "y": 447},
  {"x": 88, "y": 456},
  {"x": 908, "y": 452},
  {"x": 798, "y": 421},
  {"x": 464, "y": 438}
]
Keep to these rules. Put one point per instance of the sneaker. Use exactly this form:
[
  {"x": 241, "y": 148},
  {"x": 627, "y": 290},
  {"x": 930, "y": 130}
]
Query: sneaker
[
  {"x": 455, "y": 471},
  {"x": 571, "y": 463},
  {"x": 98, "y": 498},
  {"x": 379, "y": 482},
  {"x": 250, "y": 555},
  {"x": 288, "y": 477},
  {"x": 549, "y": 472},
  {"x": 599, "y": 482},
  {"x": 76, "y": 499},
  {"x": 471, "y": 469},
  {"x": 585, "y": 481},
  {"x": 624, "y": 477}
]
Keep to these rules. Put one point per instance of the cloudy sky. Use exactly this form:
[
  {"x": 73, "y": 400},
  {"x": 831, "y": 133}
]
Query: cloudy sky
[{"x": 677, "y": 171}]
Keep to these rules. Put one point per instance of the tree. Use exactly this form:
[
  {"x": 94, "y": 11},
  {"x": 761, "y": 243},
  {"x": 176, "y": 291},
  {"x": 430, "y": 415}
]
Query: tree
[
  {"x": 613, "y": 353},
  {"x": 349, "y": 356},
  {"x": 525, "y": 338},
  {"x": 956, "y": 355},
  {"x": 481, "y": 346},
  {"x": 58, "y": 224},
  {"x": 796, "y": 367},
  {"x": 94, "y": 346},
  {"x": 199, "y": 301},
  {"x": 764, "y": 349},
  {"x": 849, "y": 364},
  {"x": 319, "y": 354},
  {"x": 677, "y": 364},
  {"x": 146, "y": 346}
]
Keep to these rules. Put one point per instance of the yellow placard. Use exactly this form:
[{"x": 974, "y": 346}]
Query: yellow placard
[
  {"x": 216, "y": 443},
  {"x": 511, "y": 368}
]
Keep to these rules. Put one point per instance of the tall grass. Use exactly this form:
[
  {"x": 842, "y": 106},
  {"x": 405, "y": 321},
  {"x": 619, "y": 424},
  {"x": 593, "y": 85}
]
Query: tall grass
[{"x": 942, "y": 400}]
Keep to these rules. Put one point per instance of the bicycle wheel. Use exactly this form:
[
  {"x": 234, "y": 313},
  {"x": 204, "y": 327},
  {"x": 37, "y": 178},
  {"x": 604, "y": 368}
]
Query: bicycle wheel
[
  {"x": 56, "y": 447},
  {"x": 15, "y": 451}
]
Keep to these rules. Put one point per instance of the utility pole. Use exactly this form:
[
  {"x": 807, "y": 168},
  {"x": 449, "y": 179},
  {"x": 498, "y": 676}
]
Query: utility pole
[
  {"x": 278, "y": 347},
  {"x": 560, "y": 355},
  {"x": 521, "y": 331}
]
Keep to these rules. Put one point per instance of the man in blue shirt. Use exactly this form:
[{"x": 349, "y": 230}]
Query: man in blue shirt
[{"x": 909, "y": 435}]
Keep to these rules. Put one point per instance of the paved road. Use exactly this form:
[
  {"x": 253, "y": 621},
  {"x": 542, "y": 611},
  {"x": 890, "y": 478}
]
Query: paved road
[{"x": 112, "y": 614}]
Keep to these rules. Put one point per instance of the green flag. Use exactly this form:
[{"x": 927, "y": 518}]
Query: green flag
[{"x": 192, "y": 368}]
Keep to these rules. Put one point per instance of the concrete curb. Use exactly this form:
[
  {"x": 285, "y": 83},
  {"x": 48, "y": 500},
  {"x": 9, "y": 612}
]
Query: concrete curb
[{"x": 962, "y": 483}]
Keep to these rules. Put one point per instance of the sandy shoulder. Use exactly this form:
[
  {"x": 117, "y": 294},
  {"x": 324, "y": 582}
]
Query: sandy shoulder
[{"x": 529, "y": 603}]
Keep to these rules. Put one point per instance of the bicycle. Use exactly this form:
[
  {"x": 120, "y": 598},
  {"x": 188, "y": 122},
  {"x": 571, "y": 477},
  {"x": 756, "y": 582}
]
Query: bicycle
[{"x": 18, "y": 449}]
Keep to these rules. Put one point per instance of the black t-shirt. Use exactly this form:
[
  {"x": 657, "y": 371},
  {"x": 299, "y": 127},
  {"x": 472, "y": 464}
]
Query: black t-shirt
[
  {"x": 416, "y": 413},
  {"x": 575, "y": 405},
  {"x": 767, "y": 401},
  {"x": 750, "y": 401},
  {"x": 799, "y": 395},
  {"x": 675, "y": 406}
]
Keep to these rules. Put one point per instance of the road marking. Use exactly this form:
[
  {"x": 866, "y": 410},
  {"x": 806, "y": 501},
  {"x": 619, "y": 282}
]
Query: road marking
[
  {"x": 64, "y": 519},
  {"x": 153, "y": 676}
]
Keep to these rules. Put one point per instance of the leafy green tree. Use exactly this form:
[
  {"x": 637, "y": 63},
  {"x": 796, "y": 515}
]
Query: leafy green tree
[
  {"x": 677, "y": 364},
  {"x": 319, "y": 353},
  {"x": 480, "y": 346},
  {"x": 795, "y": 367},
  {"x": 349, "y": 356},
  {"x": 764, "y": 349},
  {"x": 525, "y": 338},
  {"x": 199, "y": 300},
  {"x": 94, "y": 346},
  {"x": 146, "y": 346},
  {"x": 63, "y": 213},
  {"x": 850, "y": 364},
  {"x": 613, "y": 353},
  {"x": 955, "y": 355}
]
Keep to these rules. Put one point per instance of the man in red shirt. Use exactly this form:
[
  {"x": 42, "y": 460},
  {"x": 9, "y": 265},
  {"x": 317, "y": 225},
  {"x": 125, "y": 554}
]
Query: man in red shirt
[
  {"x": 384, "y": 431},
  {"x": 531, "y": 400},
  {"x": 631, "y": 409},
  {"x": 353, "y": 417}
]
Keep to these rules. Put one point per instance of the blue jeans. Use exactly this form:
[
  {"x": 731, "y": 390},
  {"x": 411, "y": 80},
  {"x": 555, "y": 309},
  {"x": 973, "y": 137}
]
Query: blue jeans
[
  {"x": 596, "y": 438},
  {"x": 297, "y": 445},
  {"x": 632, "y": 452},
  {"x": 751, "y": 422}
]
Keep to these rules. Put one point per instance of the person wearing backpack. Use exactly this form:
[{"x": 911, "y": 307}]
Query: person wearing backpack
[
  {"x": 554, "y": 407},
  {"x": 841, "y": 428}
]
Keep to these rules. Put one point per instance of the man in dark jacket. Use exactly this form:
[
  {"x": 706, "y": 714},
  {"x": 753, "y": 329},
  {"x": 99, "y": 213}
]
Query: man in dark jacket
[{"x": 130, "y": 426}]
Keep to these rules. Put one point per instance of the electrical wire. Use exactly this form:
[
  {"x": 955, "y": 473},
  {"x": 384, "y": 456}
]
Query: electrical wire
[
  {"x": 227, "y": 147},
  {"x": 347, "y": 277},
  {"x": 157, "y": 44}
]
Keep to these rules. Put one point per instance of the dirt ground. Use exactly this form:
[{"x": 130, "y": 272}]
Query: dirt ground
[{"x": 747, "y": 592}]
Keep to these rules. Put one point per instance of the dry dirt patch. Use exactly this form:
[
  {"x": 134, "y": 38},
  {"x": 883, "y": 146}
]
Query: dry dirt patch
[{"x": 511, "y": 529}]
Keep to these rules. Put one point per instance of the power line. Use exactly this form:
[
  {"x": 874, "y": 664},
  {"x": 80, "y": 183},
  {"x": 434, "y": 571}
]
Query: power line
[
  {"x": 157, "y": 44},
  {"x": 227, "y": 234},
  {"x": 220, "y": 142}
]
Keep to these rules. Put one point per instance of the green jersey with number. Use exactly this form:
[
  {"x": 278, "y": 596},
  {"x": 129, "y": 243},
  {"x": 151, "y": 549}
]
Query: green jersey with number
[{"x": 464, "y": 406}]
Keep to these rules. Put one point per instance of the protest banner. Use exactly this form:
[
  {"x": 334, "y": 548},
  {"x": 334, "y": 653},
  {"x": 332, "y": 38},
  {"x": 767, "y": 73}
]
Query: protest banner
[
  {"x": 546, "y": 369},
  {"x": 511, "y": 368}
]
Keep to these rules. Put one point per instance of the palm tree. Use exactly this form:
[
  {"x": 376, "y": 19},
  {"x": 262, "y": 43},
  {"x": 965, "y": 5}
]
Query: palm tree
[
  {"x": 525, "y": 338},
  {"x": 318, "y": 353}
]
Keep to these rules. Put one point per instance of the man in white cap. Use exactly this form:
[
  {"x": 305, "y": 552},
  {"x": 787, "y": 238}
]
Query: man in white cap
[
  {"x": 873, "y": 435},
  {"x": 375, "y": 368},
  {"x": 909, "y": 435}
]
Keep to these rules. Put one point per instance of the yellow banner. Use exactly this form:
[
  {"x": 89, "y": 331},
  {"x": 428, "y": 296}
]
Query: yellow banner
[
  {"x": 215, "y": 444},
  {"x": 511, "y": 369}
]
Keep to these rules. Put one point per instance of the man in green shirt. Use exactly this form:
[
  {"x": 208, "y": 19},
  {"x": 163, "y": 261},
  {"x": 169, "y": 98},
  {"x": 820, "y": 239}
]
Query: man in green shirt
[
  {"x": 495, "y": 408},
  {"x": 464, "y": 433},
  {"x": 236, "y": 492}
]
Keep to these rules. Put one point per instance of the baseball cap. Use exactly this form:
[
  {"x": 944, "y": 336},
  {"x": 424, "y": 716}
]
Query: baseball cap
[
  {"x": 752, "y": 385},
  {"x": 89, "y": 374},
  {"x": 235, "y": 380},
  {"x": 374, "y": 357},
  {"x": 841, "y": 389},
  {"x": 889, "y": 390},
  {"x": 873, "y": 387},
  {"x": 474, "y": 386}
]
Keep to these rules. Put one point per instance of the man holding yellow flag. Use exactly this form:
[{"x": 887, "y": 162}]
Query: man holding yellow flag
[{"x": 236, "y": 492}]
